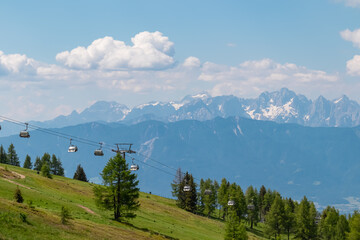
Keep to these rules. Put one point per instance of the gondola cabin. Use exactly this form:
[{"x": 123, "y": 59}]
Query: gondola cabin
[
  {"x": 187, "y": 188},
  {"x": 251, "y": 207},
  {"x": 72, "y": 148},
  {"x": 24, "y": 134},
  {"x": 134, "y": 167},
  {"x": 207, "y": 192},
  {"x": 98, "y": 152},
  {"x": 231, "y": 203}
]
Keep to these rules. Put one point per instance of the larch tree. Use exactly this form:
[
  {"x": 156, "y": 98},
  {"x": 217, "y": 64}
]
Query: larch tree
[
  {"x": 119, "y": 192},
  {"x": 12, "y": 156},
  {"x": 275, "y": 218},
  {"x": 27, "y": 163},
  {"x": 56, "y": 166},
  {"x": 80, "y": 174},
  {"x": 3, "y": 156}
]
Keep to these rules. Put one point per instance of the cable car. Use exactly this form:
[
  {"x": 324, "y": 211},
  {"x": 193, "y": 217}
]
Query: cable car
[
  {"x": 251, "y": 206},
  {"x": 99, "y": 152},
  {"x": 187, "y": 188},
  {"x": 25, "y": 133},
  {"x": 72, "y": 148},
  {"x": 134, "y": 167},
  {"x": 207, "y": 192},
  {"x": 231, "y": 203}
]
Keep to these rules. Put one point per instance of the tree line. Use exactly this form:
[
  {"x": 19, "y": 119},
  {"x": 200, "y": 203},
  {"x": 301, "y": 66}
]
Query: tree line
[{"x": 280, "y": 216}]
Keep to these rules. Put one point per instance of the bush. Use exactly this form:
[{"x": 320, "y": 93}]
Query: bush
[
  {"x": 45, "y": 170},
  {"x": 65, "y": 215},
  {"x": 23, "y": 217},
  {"x": 17, "y": 196}
]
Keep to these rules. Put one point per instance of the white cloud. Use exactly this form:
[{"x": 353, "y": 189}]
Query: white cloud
[
  {"x": 290, "y": 182},
  {"x": 262, "y": 75},
  {"x": 353, "y": 66},
  {"x": 16, "y": 63},
  {"x": 231, "y": 45},
  {"x": 351, "y": 36},
  {"x": 149, "y": 51},
  {"x": 192, "y": 62},
  {"x": 353, "y": 203},
  {"x": 351, "y": 3}
]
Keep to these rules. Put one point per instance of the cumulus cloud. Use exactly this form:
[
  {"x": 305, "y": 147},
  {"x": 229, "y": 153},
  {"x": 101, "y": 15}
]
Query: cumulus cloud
[
  {"x": 351, "y": 36},
  {"x": 316, "y": 183},
  {"x": 149, "y": 50},
  {"x": 353, "y": 66},
  {"x": 261, "y": 75},
  {"x": 192, "y": 62},
  {"x": 16, "y": 63}
]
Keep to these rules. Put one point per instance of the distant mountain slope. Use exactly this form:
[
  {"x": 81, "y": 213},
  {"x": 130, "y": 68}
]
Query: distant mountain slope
[
  {"x": 283, "y": 106},
  {"x": 322, "y": 163}
]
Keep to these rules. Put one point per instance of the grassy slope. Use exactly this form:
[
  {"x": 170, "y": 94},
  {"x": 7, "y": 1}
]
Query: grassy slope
[{"x": 157, "y": 218}]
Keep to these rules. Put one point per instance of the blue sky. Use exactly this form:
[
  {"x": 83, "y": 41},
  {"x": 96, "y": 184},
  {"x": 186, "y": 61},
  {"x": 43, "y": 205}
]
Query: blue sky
[{"x": 50, "y": 64}]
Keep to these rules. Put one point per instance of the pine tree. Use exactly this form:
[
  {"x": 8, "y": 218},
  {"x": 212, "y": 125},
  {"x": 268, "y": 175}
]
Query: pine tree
[
  {"x": 261, "y": 202},
  {"x": 236, "y": 194},
  {"x": 342, "y": 228},
  {"x": 45, "y": 170},
  {"x": 305, "y": 220},
  {"x": 223, "y": 196},
  {"x": 120, "y": 192},
  {"x": 327, "y": 226},
  {"x": 56, "y": 166},
  {"x": 80, "y": 174},
  {"x": 252, "y": 200},
  {"x": 234, "y": 230},
  {"x": 27, "y": 162},
  {"x": 207, "y": 197},
  {"x": 289, "y": 217},
  {"x": 188, "y": 199},
  {"x": 12, "y": 156},
  {"x": 3, "y": 156},
  {"x": 275, "y": 218},
  {"x": 37, "y": 164},
  {"x": 354, "y": 227},
  {"x": 175, "y": 185},
  {"x": 18, "y": 196}
]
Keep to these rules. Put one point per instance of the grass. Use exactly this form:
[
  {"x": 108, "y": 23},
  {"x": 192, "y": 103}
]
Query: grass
[{"x": 157, "y": 218}]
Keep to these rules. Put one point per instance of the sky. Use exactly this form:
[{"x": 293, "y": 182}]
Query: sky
[{"x": 59, "y": 56}]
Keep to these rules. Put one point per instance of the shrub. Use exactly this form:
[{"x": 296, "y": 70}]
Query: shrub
[
  {"x": 18, "y": 197},
  {"x": 65, "y": 215}
]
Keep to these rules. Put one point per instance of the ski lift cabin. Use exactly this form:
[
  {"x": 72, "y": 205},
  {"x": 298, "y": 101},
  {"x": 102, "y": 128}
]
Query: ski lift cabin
[
  {"x": 25, "y": 133},
  {"x": 187, "y": 188},
  {"x": 134, "y": 167},
  {"x": 251, "y": 207},
  {"x": 72, "y": 148},
  {"x": 231, "y": 203},
  {"x": 99, "y": 152}
]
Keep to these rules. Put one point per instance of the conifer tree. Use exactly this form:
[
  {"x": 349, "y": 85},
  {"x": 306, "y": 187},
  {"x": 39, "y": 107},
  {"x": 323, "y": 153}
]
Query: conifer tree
[
  {"x": 56, "y": 166},
  {"x": 188, "y": 199},
  {"x": 45, "y": 170},
  {"x": 175, "y": 185},
  {"x": 252, "y": 200},
  {"x": 37, "y": 164},
  {"x": 275, "y": 218},
  {"x": 261, "y": 202},
  {"x": 3, "y": 156},
  {"x": 327, "y": 226},
  {"x": 289, "y": 217},
  {"x": 234, "y": 229},
  {"x": 120, "y": 192},
  {"x": 354, "y": 227},
  {"x": 80, "y": 174},
  {"x": 342, "y": 228},
  {"x": 223, "y": 196},
  {"x": 18, "y": 196},
  {"x": 207, "y": 197},
  {"x": 27, "y": 162},
  {"x": 12, "y": 156},
  {"x": 305, "y": 220}
]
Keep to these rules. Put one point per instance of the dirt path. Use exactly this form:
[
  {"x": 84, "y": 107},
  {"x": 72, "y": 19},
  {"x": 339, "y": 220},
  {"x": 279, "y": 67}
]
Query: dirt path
[
  {"x": 87, "y": 209},
  {"x": 15, "y": 174},
  {"x": 8, "y": 180}
]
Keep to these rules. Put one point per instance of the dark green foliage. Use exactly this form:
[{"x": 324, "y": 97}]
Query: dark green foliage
[
  {"x": 354, "y": 227},
  {"x": 27, "y": 162},
  {"x": 236, "y": 194},
  {"x": 275, "y": 218},
  {"x": 120, "y": 192},
  {"x": 261, "y": 202},
  {"x": 305, "y": 220},
  {"x": 80, "y": 174},
  {"x": 38, "y": 164},
  {"x": 12, "y": 156},
  {"x": 342, "y": 228},
  {"x": 56, "y": 166},
  {"x": 3, "y": 156},
  {"x": 65, "y": 215},
  {"x": 234, "y": 229},
  {"x": 23, "y": 217},
  {"x": 18, "y": 196},
  {"x": 223, "y": 196},
  {"x": 289, "y": 217},
  {"x": 207, "y": 197},
  {"x": 45, "y": 170},
  {"x": 252, "y": 199},
  {"x": 188, "y": 199},
  {"x": 175, "y": 185}
]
